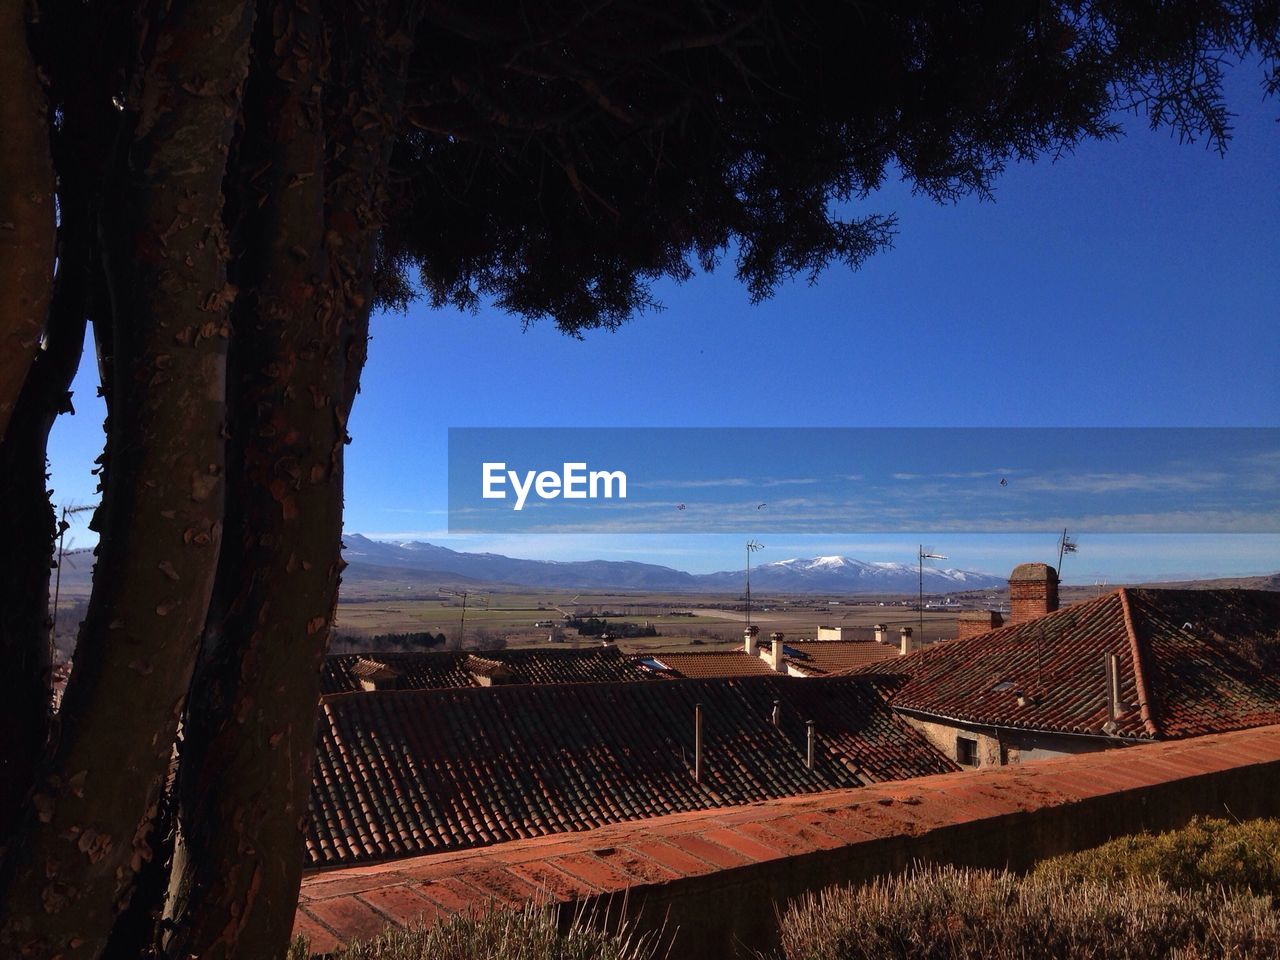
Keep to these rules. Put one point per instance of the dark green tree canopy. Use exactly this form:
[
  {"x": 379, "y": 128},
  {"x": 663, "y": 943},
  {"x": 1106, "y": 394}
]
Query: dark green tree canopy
[{"x": 559, "y": 157}]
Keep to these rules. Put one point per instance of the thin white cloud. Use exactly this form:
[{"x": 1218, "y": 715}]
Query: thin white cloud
[
  {"x": 694, "y": 484},
  {"x": 717, "y": 482},
  {"x": 1100, "y": 483}
]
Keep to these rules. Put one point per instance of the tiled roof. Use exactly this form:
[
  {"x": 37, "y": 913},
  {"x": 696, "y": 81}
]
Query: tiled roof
[
  {"x": 435, "y": 670},
  {"x": 820, "y": 657},
  {"x": 368, "y": 668},
  {"x": 1187, "y": 661},
  {"x": 802, "y": 843},
  {"x": 489, "y": 667},
  {"x": 417, "y": 671},
  {"x": 406, "y": 772},
  {"x": 712, "y": 663},
  {"x": 1200, "y": 658}
]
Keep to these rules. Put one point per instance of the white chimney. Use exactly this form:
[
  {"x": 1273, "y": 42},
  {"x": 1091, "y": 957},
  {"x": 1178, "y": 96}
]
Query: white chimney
[
  {"x": 749, "y": 639},
  {"x": 880, "y": 630},
  {"x": 906, "y": 645},
  {"x": 776, "y": 657}
]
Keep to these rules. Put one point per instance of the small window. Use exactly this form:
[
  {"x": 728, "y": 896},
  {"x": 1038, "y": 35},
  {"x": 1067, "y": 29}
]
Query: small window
[{"x": 966, "y": 752}]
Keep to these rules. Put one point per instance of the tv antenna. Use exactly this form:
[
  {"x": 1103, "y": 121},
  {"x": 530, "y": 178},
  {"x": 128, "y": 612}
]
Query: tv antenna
[
  {"x": 752, "y": 547},
  {"x": 480, "y": 599},
  {"x": 921, "y": 557},
  {"x": 1065, "y": 545}
]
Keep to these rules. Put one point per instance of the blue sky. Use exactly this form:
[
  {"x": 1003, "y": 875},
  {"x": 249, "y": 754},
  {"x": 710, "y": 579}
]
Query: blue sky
[{"x": 1135, "y": 283}]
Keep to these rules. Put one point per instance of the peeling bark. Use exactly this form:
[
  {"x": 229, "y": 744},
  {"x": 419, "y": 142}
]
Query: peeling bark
[
  {"x": 27, "y": 233},
  {"x": 301, "y": 327},
  {"x": 83, "y": 839},
  {"x": 28, "y": 529},
  {"x": 236, "y": 870}
]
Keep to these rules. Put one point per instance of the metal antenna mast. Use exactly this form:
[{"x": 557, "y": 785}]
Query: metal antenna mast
[
  {"x": 921, "y": 558},
  {"x": 752, "y": 547},
  {"x": 1065, "y": 545},
  {"x": 481, "y": 599}
]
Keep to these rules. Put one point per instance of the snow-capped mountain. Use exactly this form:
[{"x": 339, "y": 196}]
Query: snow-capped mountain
[
  {"x": 813, "y": 575},
  {"x": 847, "y": 575}
]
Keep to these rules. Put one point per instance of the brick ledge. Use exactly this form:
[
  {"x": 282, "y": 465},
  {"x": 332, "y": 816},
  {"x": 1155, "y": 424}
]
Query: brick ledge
[{"x": 804, "y": 842}]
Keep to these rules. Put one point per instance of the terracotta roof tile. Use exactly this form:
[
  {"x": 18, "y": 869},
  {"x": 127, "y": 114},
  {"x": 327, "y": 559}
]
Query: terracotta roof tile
[
  {"x": 883, "y": 824},
  {"x": 434, "y": 670},
  {"x": 369, "y": 668},
  {"x": 821, "y": 657},
  {"x": 712, "y": 663},
  {"x": 407, "y": 772},
  {"x": 1188, "y": 664},
  {"x": 1200, "y": 658}
]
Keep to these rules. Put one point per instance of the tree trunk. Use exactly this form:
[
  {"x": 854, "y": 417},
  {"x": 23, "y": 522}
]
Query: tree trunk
[
  {"x": 27, "y": 520},
  {"x": 248, "y": 748},
  {"x": 250, "y": 717},
  {"x": 28, "y": 528},
  {"x": 71, "y": 868},
  {"x": 27, "y": 232}
]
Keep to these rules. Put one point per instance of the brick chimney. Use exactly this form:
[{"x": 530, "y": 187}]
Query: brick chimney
[
  {"x": 973, "y": 622},
  {"x": 1033, "y": 591},
  {"x": 776, "y": 658}
]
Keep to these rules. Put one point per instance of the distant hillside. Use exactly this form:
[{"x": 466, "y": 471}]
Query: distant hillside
[
  {"x": 395, "y": 562},
  {"x": 361, "y": 552},
  {"x": 1270, "y": 581}
]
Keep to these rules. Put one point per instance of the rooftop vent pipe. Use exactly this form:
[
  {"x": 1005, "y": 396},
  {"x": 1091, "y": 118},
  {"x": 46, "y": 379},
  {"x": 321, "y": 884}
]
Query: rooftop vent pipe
[{"x": 697, "y": 743}]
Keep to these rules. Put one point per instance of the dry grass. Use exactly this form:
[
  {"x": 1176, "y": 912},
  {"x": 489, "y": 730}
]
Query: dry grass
[
  {"x": 951, "y": 914},
  {"x": 499, "y": 934},
  {"x": 1206, "y": 853}
]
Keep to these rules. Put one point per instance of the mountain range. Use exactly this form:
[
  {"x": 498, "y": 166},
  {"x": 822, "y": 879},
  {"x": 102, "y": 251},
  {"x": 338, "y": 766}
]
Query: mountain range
[{"x": 427, "y": 562}]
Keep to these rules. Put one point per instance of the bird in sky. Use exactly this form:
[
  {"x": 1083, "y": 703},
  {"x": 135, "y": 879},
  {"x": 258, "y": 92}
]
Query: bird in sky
[
  {"x": 1004, "y": 482},
  {"x": 679, "y": 506},
  {"x": 761, "y": 506}
]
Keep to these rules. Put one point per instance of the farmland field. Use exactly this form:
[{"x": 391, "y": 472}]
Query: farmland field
[
  {"x": 368, "y": 607},
  {"x": 682, "y": 622}
]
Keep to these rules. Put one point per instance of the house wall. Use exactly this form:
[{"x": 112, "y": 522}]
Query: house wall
[{"x": 998, "y": 748}]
